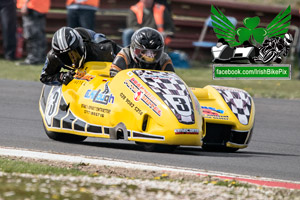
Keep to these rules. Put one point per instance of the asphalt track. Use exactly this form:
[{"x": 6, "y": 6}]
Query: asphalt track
[{"x": 274, "y": 151}]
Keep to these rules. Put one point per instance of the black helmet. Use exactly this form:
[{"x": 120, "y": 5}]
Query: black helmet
[
  {"x": 68, "y": 46},
  {"x": 147, "y": 46}
]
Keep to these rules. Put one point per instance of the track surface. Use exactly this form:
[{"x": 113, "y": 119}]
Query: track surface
[{"x": 274, "y": 150}]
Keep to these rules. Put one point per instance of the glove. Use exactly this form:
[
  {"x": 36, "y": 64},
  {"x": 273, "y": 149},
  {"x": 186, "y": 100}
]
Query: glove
[{"x": 66, "y": 77}]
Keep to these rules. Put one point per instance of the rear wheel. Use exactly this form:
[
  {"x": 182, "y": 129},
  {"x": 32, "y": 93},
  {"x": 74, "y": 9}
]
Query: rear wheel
[
  {"x": 64, "y": 137},
  {"x": 150, "y": 147}
]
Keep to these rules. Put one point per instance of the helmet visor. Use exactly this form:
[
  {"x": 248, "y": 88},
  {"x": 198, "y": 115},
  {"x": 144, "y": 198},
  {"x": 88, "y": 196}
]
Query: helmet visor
[{"x": 148, "y": 55}]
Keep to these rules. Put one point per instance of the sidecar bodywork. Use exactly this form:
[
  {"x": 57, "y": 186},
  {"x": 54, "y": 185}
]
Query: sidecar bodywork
[{"x": 145, "y": 106}]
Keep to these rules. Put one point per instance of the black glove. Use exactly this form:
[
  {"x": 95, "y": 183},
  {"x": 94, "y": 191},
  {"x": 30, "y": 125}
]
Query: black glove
[{"x": 66, "y": 77}]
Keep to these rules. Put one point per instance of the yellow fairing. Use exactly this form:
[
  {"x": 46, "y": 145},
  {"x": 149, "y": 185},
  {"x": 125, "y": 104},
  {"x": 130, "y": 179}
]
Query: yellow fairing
[
  {"x": 229, "y": 115},
  {"x": 124, "y": 107}
]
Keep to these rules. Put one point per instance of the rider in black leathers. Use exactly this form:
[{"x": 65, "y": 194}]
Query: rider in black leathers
[{"x": 71, "y": 48}]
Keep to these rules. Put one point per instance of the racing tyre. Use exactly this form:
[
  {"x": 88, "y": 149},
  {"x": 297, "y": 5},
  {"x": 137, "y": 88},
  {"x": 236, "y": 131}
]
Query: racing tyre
[
  {"x": 157, "y": 147},
  {"x": 64, "y": 137}
]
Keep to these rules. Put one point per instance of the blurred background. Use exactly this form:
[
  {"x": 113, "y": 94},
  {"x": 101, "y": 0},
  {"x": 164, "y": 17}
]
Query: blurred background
[
  {"x": 189, "y": 19},
  {"x": 188, "y": 16}
]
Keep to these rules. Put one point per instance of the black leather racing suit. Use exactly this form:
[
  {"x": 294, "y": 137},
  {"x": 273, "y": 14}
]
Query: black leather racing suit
[{"x": 98, "y": 48}]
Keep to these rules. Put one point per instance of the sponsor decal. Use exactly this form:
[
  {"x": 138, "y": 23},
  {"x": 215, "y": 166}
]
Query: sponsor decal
[
  {"x": 213, "y": 113},
  {"x": 94, "y": 110},
  {"x": 186, "y": 131},
  {"x": 102, "y": 97},
  {"x": 205, "y": 109},
  {"x": 155, "y": 76},
  {"x": 131, "y": 104},
  {"x": 145, "y": 95},
  {"x": 82, "y": 75},
  {"x": 216, "y": 117},
  {"x": 138, "y": 95}
]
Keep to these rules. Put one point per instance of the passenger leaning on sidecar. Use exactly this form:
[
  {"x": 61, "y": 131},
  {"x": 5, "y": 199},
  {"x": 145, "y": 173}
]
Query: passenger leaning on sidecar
[
  {"x": 71, "y": 48},
  {"x": 146, "y": 51}
]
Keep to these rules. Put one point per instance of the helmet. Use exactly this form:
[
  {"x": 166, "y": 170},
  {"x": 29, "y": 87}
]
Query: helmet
[
  {"x": 147, "y": 46},
  {"x": 68, "y": 45},
  {"x": 288, "y": 39}
]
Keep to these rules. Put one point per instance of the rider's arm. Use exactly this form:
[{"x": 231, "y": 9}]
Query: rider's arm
[
  {"x": 51, "y": 71},
  {"x": 119, "y": 63},
  {"x": 168, "y": 67},
  {"x": 166, "y": 63}
]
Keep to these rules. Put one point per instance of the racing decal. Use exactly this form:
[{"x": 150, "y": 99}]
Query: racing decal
[
  {"x": 94, "y": 129},
  {"x": 57, "y": 114},
  {"x": 239, "y": 101},
  {"x": 131, "y": 104},
  {"x": 79, "y": 125},
  {"x": 94, "y": 110},
  {"x": 212, "y": 109},
  {"x": 129, "y": 73},
  {"x": 44, "y": 96},
  {"x": 106, "y": 130},
  {"x": 213, "y": 113},
  {"x": 82, "y": 75},
  {"x": 186, "y": 131},
  {"x": 141, "y": 93},
  {"x": 146, "y": 136},
  {"x": 138, "y": 95},
  {"x": 171, "y": 89},
  {"x": 68, "y": 120},
  {"x": 62, "y": 112},
  {"x": 102, "y": 97},
  {"x": 128, "y": 134},
  {"x": 52, "y": 104}
]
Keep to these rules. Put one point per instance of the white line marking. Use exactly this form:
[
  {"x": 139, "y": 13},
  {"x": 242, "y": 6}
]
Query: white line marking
[{"x": 100, "y": 161}]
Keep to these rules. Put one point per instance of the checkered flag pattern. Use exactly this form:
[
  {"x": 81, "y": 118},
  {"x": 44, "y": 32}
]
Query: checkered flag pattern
[
  {"x": 238, "y": 101},
  {"x": 165, "y": 84}
]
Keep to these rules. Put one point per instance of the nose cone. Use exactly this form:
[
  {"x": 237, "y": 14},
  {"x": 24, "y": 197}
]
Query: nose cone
[{"x": 172, "y": 91}]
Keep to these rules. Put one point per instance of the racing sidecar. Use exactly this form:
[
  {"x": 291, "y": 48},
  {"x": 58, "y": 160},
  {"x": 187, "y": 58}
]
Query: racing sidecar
[{"x": 153, "y": 108}]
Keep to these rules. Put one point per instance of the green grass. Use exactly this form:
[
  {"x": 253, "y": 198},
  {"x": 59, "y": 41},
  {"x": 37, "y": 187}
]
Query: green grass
[
  {"x": 11, "y": 165},
  {"x": 286, "y": 89},
  {"x": 32, "y": 180},
  {"x": 198, "y": 76},
  {"x": 9, "y": 70}
]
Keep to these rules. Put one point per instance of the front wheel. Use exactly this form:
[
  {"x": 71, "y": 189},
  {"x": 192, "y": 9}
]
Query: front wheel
[
  {"x": 64, "y": 137},
  {"x": 150, "y": 147}
]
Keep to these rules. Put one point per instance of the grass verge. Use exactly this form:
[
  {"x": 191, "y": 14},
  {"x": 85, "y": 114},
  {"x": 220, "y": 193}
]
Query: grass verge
[
  {"x": 9, "y": 70},
  {"x": 28, "y": 179},
  {"x": 15, "y": 166},
  {"x": 194, "y": 77}
]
